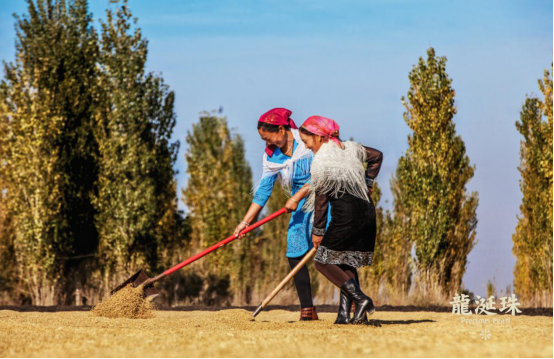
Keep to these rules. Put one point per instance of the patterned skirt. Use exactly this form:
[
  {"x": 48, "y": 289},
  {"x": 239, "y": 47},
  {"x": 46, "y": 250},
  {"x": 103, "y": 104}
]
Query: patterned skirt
[{"x": 350, "y": 237}]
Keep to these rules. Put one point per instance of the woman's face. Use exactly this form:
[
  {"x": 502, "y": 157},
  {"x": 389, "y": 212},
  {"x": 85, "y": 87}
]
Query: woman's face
[
  {"x": 312, "y": 142},
  {"x": 278, "y": 139}
]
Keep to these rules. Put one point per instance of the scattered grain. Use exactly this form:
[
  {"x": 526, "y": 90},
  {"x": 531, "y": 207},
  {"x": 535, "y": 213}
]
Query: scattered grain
[{"x": 274, "y": 333}]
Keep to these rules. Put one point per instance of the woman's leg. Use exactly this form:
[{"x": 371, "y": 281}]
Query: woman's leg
[
  {"x": 304, "y": 290},
  {"x": 345, "y": 304},
  {"x": 346, "y": 281},
  {"x": 350, "y": 271},
  {"x": 334, "y": 273},
  {"x": 302, "y": 283}
]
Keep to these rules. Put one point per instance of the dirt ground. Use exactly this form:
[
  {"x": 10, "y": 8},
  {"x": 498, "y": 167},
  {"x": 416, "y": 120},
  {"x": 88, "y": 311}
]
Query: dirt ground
[{"x": 274, "y": 333}]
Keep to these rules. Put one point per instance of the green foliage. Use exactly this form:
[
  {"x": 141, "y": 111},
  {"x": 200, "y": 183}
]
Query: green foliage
[
  {"x": 135, "y": 119},
  {"x": 389, "y": 275},
  {"x": 46, "y": 104},
  {"x": 8, "y": 274},
  {"x": 86, "y": 162},
  {"x": 436, "y": 213},
  {"x": 218, "y": 195},
  {"x": 271, "y": 265},
  {"x": 533, "y": 235}
]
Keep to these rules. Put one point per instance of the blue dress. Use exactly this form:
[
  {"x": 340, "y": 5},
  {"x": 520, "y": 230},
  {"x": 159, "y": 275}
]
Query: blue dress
[{"x": 299, "y": 239}]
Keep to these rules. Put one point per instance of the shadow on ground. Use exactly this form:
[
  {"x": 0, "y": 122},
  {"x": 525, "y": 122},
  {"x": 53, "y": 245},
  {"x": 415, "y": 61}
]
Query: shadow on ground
[{"x": 379, "y": 322}]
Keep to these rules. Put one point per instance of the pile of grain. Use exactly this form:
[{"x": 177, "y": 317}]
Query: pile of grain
[{"x": 128, "y": 302}]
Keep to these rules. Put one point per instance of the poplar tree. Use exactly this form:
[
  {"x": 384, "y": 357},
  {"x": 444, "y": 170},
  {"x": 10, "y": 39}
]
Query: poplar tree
[
  {"x": 388, "y": 278},
  {"x": 438, "y": 215},
  {"x": 47, "y": 163},
  {"x": 271, "y": 265},
  {"x": 86, "y": 158},
  {"x": 397, "y": 258},
  {"x": 242, "y": 277},
  {"x": 217, "y": 195},
  {"x": 135, "y": 119},
  {"x": 7, "y": 257},
  {"x": 533, "y": 235},
  {"x": 8, "y": 274}
]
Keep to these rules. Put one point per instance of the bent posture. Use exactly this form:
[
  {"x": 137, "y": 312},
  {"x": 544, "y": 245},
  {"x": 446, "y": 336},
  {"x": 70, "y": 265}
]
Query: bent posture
[
  {"x": 339, "y": 179},
  {"x": 286, "y": 156}
]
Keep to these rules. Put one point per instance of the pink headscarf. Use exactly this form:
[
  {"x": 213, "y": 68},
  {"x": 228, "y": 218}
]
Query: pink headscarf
[
  {"x": 279, "y": 117},
  {"x": 323, "y": 126}
]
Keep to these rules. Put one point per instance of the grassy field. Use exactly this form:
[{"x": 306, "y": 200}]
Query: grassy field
[{"x": 275, "y": 333}]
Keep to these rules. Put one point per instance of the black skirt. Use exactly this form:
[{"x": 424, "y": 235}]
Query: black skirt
[{"x": 350, "y": 237}]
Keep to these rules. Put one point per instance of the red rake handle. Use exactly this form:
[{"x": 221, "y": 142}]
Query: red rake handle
[{"x": 224, "y": 242}]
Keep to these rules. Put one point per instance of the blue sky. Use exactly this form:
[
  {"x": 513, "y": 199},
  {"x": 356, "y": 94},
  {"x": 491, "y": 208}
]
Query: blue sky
[{"x": 349, "y": 61}]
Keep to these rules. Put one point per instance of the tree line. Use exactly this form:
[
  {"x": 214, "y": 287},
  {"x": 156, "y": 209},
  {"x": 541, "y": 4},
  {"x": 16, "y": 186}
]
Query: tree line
[
  {"x": 88, "y": 192},
  {"x": 88, "y": 188}
]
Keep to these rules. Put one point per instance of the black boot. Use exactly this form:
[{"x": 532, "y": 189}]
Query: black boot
[
  {"x": 343, "y": 316},
  {"x": 364, "y": 319},
  {"x": 363, "y": 302}
]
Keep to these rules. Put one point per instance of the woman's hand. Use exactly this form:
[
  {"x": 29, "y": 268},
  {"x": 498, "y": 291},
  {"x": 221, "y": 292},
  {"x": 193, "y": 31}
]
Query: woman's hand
[
  {"x": 240, "y": 227},
  {"x": 291, "y": 205},
  {"x": 250, "y": 217},
  {"x": 316, "y": 240}
]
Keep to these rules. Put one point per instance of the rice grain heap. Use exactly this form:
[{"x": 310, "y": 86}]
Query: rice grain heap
[{"x": 129, "y": 302}]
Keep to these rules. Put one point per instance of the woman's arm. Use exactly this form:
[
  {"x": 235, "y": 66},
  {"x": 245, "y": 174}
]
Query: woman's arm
[
  {"x": 320, "y": 218},
  {"x": 292, "y": 203},
  {"x": 258, "y": 202},
  {"x": 249, "y": 217},
  {"x": 265, "y": 188},
  {"x": 374, "y": 159}
]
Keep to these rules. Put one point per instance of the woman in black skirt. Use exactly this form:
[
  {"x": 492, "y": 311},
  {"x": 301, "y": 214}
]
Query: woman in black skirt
[{"x": 339, "y": 179}]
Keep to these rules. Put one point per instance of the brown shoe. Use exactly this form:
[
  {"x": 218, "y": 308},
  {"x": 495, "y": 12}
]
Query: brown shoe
[{"x": 308, "y": 314}]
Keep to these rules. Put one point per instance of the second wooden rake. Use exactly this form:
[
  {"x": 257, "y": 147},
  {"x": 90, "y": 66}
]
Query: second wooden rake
[{"x": 285, "y": 281}]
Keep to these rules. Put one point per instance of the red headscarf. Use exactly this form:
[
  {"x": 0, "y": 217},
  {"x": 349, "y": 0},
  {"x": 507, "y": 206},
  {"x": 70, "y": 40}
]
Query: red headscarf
[
  {"x": 278, "y": 117},
  {"x": 323, "y": 126}
]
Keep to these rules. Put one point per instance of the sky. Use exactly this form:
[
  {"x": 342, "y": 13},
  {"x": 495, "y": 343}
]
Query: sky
[{"x": 350, "y": 61}]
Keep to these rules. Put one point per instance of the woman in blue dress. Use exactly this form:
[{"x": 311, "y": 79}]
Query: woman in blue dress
[{"x": 287, "y": 157}]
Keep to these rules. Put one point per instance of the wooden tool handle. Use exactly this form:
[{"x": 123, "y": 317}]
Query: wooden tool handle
[{"x": 288, "y": 277}]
